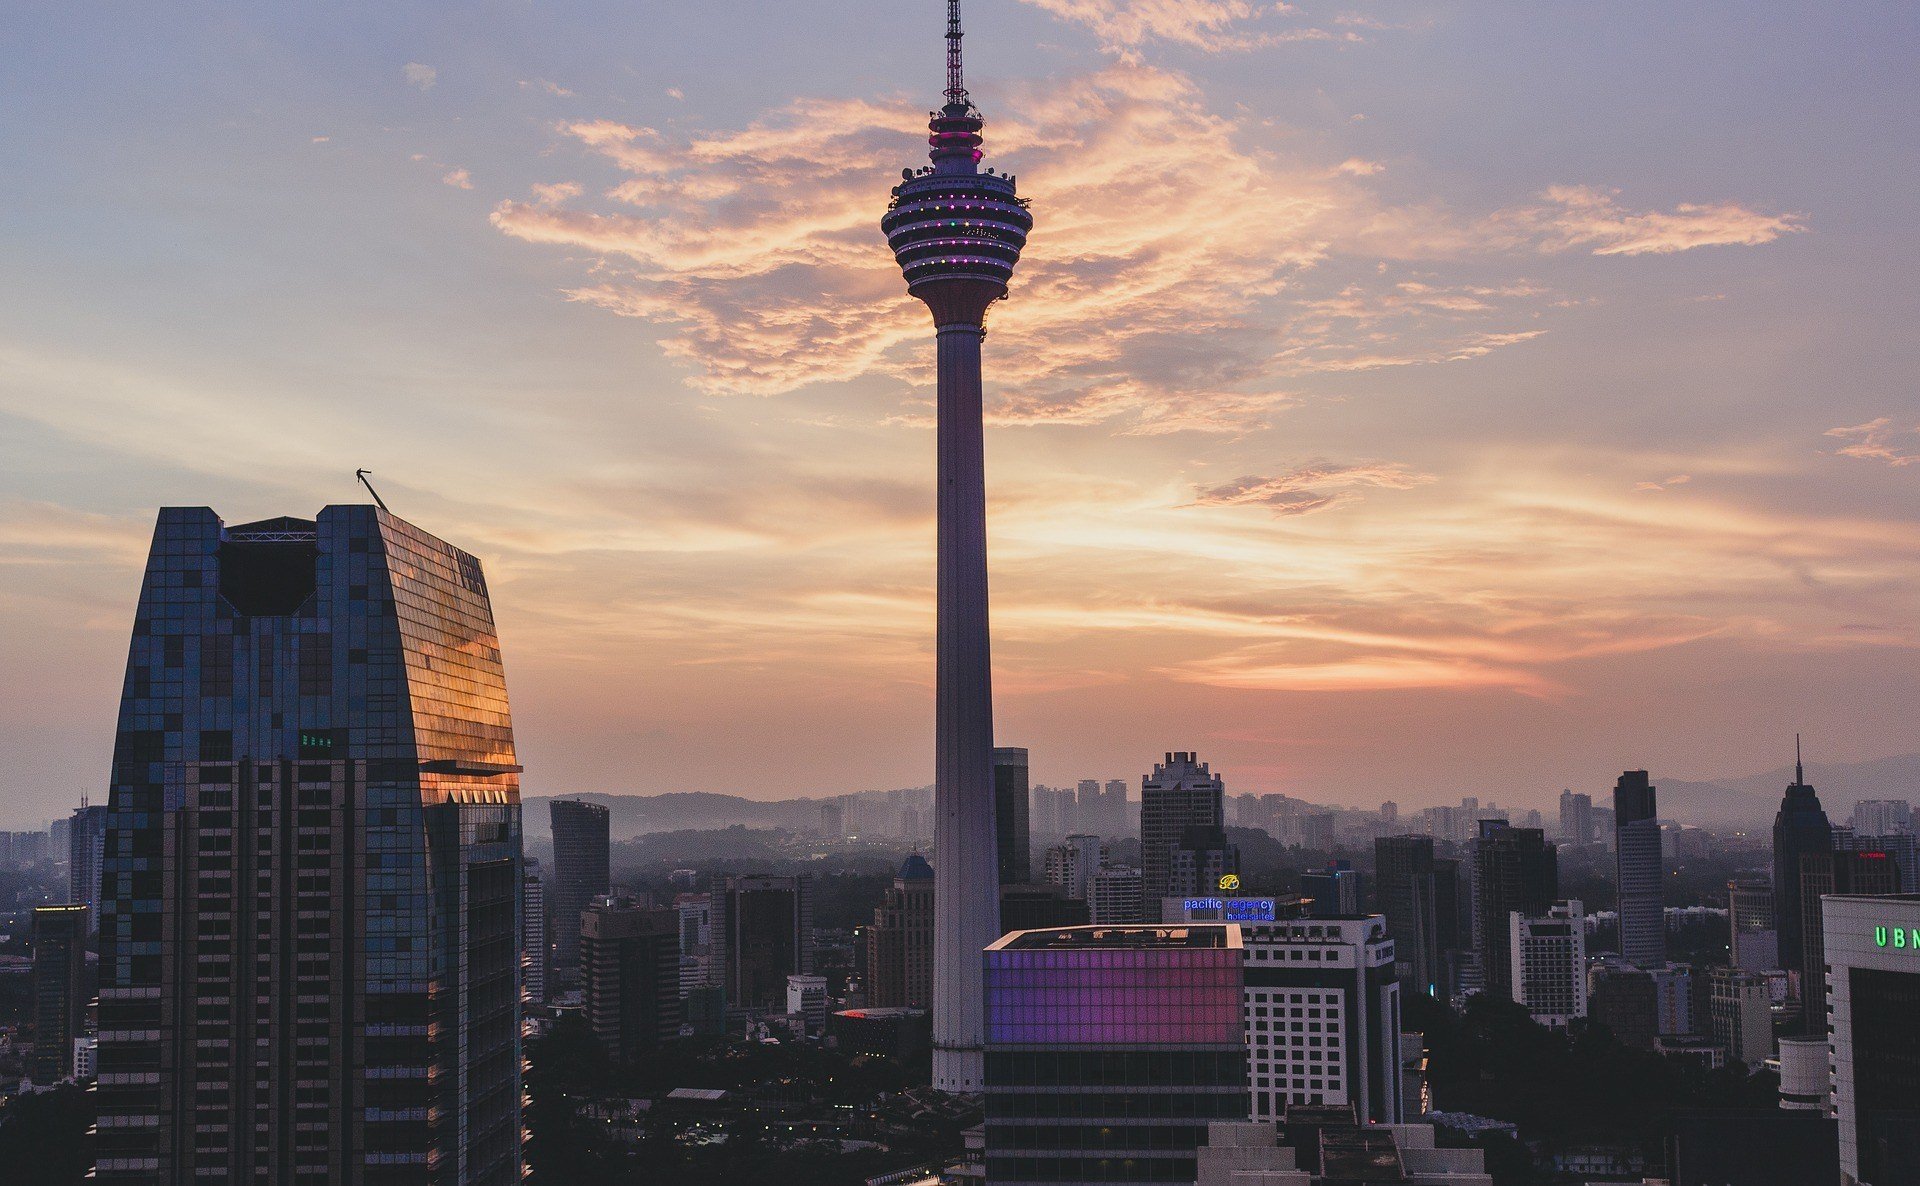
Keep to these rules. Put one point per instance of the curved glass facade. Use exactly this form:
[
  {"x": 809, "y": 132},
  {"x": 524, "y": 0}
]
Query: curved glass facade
[{"x": 309, "y": 932}]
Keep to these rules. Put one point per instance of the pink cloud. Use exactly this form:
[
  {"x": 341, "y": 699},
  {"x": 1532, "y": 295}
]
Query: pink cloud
[
  {"x": 1873, "y": 441},
  {"x": 1576, "y": 216},
  {"x": 1316, "y": 486}
]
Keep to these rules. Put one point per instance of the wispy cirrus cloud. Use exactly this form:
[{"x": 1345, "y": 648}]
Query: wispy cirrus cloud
[
  {"x": 1874, "y": 441},
  {"x": 1212, "y": 25},
  {"x": 1315, "y": 486},
  {"x": 1580, "y": 216},
  {"x": 419, "y": 75}
]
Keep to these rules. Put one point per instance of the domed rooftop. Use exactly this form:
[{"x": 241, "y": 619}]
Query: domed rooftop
[{"x": 915, "y": 868}]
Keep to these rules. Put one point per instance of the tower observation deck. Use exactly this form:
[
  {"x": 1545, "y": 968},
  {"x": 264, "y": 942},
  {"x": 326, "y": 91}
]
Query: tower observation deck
[{"x": 957, "y": 233}]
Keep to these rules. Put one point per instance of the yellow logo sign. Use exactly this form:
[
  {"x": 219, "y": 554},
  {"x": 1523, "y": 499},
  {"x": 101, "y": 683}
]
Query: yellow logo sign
[{"x": 1230, "y": 882}]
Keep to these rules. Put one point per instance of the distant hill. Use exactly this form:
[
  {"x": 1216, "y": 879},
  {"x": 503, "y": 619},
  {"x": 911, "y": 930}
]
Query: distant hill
[
  {"x": 640, "y": 815},
  {"x": 684, "y": 811},
  {"x": 1749, "y": 802}
]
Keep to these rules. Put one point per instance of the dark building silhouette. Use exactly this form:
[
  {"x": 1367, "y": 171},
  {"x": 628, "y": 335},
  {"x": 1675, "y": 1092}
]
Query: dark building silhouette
[
  {"x": 582, "y": 855},
  {"x": 1627, "y": 1001},
  {"x": 1335, "y": 891},
  {"x": 762, "y": 934},
  {"x": 1181, "y": 793},
  {"x": 1865, "y": 874},
  {"x": 900, "y": 942},
  {"x": 630, "y": 976},
  {"x": 1010, "y": 833},
  {"x": 1638, "y": 873},
  {"x": 59, "y": 989},
  {"x": 1576, "y": 818},
  {"x": 1199, "y": 862},
  {"x": 1515, "y": 869},
  {"x": 1753, "y": 1148},
  {"x": 309, "y": 928},
  {"x": 1420, "y": 898},
  {"x": 1799, "y": 828},
  {"x": 1038, "y": 905}
]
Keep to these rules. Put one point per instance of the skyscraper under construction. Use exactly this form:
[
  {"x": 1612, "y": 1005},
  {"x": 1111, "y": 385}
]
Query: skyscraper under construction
[{"x": 309, "y": 937}]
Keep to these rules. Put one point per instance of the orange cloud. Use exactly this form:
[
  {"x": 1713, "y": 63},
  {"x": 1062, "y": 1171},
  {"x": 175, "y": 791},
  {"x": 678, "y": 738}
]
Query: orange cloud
[
  {"x": 1872, "y": 441},
  {"x": 1305, "y": 489}
]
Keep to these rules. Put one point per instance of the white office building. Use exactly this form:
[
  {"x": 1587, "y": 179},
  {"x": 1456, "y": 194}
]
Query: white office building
[
  {"x": 807, "y": 998},
  {"x": 1873, "y": 998},
  {"x": 1882, "y": 817},
  {"x": 1116, "y": 897},
  {"x": 1323, "y": 1017},
  {"x": 1072, "y": 865},
  {"x": 1550, "y": 963}
]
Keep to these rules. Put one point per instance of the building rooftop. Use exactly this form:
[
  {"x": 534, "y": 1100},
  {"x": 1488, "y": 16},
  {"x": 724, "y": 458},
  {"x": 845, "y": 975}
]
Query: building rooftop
[
  {"x": 915, "y": 868},
  {"x": 1186, "y": 936}
]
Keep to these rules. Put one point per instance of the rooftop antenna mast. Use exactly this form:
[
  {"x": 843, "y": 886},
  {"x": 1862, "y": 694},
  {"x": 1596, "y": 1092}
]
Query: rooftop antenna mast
[
  {"x": 956, "y": 77},
  {"x": 362, "y": 475}
]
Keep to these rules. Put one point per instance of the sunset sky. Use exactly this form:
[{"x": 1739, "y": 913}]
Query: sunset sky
[{"x": 1395, "y": 401}]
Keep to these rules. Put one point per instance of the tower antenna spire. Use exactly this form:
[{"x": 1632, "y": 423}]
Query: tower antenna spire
[
  {"x": 1799, "y": 768},
  {"x": 956, "y": 74}
]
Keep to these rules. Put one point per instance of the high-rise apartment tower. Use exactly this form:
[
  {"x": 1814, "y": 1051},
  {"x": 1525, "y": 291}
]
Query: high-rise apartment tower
[{"x": 957, "y": 233}]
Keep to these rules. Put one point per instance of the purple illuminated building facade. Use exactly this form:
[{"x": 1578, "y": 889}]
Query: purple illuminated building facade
[
  {"x": 957, "y": 233},
  {"x": 1110, "y": 1049}
]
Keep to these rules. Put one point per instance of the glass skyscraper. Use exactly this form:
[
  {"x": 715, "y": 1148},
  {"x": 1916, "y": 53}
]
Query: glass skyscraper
[{"x": 309, "y": 933}]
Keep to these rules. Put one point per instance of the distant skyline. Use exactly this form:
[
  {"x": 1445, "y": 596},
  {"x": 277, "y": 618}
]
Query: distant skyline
[{"x": 1406, "y": 401}]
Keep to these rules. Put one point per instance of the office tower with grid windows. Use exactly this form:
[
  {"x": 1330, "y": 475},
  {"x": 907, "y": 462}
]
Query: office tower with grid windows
[
  {"x": 1549, "y": 960},
  {"x": 1872, "y": 947},
  {"x": 630, "y": 976},
  {"x": 1403, "y": 869},
  {"x": 1515, "y": 870},
  {"x": 900, "y": 942},
  {"x": 762, "y": 934},
  {"x": 1753, "y": 941},
  {"x": 1323, "y": 1017},
  {"x": 536, "y": 952},
  {"x": 1181, "y": 793},
  {"x": 86, "y": 844},
  {"x": 309, "y": 924},
  {"x": 1639, "y": 876},
  {"x": 582, "y": 872},
  {"x": 1011, "y": 839},
  {"x": 59, "y": 989}
]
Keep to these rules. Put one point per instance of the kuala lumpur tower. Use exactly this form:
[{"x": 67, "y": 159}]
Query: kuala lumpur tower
[{"x": 957, "y": 233}]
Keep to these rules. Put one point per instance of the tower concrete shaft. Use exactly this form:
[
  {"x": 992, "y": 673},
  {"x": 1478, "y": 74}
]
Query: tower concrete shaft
[{"x": 957, "y": 234}]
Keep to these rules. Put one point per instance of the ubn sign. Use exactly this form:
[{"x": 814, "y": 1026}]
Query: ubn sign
[{"x": 1901, "y": 938}]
